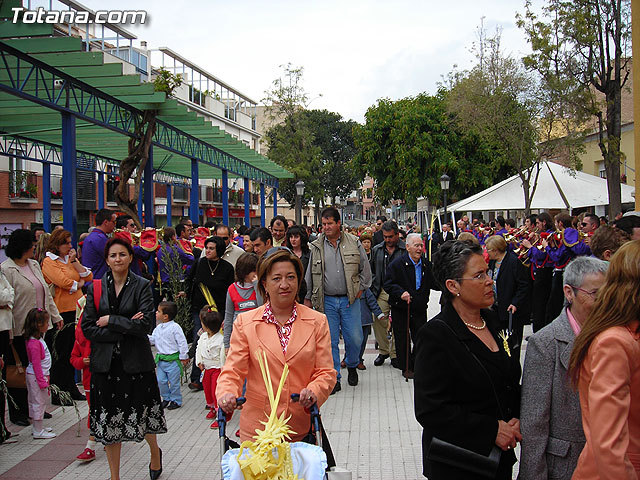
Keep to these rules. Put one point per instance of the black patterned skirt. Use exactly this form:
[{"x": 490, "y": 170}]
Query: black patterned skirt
[{"x": 124, "y": 406}]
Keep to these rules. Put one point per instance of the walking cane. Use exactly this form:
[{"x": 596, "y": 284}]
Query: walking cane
[{"x": 406, "y": 365}]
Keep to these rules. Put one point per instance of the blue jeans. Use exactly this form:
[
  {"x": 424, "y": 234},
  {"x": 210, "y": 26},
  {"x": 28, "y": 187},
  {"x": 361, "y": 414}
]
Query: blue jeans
[
  {"x": 344, "y": 318},
  {"x": 168, "y": 375}
]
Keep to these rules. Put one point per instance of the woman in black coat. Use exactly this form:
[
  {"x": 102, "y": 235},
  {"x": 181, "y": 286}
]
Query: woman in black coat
[
  {"x": 124, "y": 399},
  {"x": 510, "y": 285},
  {"x": 214, "y": 274},
  {"x": 466, "y": 381}
]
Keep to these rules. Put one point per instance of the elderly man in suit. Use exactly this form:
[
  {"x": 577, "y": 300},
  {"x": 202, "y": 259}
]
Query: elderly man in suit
[
  {"x": 408, "y": 282},
  {"x": 550, "y": 417}
]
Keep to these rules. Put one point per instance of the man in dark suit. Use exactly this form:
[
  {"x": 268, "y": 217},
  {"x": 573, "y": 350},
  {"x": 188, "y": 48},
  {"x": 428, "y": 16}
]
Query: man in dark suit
[
  {"x": 378, "y": 237},
  {"x": 445, "y": 235},
  {"x": 408, "y": 282}
]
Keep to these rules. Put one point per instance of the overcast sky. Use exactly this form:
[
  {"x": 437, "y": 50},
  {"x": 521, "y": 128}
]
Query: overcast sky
[{"x": 353, "y": 51}]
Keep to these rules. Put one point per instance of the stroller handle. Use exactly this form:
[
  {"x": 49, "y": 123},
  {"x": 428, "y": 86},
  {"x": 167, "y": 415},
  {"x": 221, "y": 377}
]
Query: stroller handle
[
  {"x": 313, "y": 409},
  {"x": 222, "y": 417}
]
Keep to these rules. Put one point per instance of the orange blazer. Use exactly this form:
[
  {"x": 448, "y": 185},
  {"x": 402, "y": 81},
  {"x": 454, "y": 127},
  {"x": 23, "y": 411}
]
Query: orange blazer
[
  {"x": 609, "y": 389},
  {"x": 310, "y": 366}
]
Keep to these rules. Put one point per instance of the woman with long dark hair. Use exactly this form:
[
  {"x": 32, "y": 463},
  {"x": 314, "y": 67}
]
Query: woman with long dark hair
[{"x": 605, "y": 365}]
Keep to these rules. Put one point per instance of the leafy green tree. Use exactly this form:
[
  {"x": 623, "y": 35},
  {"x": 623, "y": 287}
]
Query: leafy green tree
[
  {"x": 496, "y": 100},
  {"x": 290, "y": 137},
  {"x": 406, "y": 145},
  {"x": 334, "y": 137},
  {"x": 581, "y": 49}
]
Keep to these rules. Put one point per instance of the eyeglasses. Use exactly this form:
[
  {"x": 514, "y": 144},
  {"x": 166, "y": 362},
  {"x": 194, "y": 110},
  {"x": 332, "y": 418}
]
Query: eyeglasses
[
  {"x": 480, "y": 277},
  {"x": 591, "y": 294},
  {"x": 224, "y": 238},
  {"x": 584, "y": 224}
]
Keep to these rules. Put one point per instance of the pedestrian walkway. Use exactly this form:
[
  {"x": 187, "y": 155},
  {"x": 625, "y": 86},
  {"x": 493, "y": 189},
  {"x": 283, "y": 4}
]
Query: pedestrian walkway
[{"x": 372, "y": 429}]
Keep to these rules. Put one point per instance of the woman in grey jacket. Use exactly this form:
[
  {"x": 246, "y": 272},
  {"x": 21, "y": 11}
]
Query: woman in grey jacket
[
  {"x": 30, "y": 291},
  {"x": 550, "y": 417}
]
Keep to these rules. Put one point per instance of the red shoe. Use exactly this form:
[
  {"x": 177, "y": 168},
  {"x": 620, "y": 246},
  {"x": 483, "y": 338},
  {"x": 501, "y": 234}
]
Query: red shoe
[
  {"x": 238, "y": 433},
  {"x": 87, "y": 455},
  {"x": 211, "y": 414},
  {"x": 214, "y": 425}
]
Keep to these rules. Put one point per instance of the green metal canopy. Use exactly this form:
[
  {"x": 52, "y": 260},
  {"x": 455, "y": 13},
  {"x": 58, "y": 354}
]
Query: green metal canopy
[{"x": 21, "y": 117}]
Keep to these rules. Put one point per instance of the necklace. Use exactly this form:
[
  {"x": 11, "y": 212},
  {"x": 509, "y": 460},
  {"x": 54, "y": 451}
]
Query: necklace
[
  {"x": 471, "y": 325},
  {"x": 213, "y": 270}
]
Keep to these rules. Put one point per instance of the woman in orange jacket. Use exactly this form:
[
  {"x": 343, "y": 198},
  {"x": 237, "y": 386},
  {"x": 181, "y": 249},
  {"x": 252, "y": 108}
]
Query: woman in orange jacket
[
  {"x": 287, "y": 332},
  {"x": 605, "y": 364},
  {"x": 62, "y": 269}
]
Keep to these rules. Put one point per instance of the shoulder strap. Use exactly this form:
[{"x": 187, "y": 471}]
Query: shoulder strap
[
  {"x": 495, "y": 393},
  {"x": 97, "y": 293}
]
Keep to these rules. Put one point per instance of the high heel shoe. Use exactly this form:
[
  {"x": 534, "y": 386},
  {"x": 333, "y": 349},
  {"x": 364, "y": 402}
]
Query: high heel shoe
[{"x": 154, "y": 474}]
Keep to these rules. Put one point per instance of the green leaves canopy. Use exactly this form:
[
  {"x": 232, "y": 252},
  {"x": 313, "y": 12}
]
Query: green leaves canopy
[{"x": 406, "y": 145}]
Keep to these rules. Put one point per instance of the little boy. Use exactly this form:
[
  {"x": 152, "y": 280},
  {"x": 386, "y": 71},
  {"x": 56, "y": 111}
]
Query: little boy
[{"x": 172, "y": 354}]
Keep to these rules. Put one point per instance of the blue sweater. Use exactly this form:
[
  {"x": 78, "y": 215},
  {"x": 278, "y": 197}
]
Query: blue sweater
[{"x": 368, "y": 305}]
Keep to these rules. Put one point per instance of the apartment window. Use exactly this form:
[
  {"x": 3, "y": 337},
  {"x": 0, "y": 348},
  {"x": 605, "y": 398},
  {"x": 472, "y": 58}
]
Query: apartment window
[{"x": 180, "y": 194}]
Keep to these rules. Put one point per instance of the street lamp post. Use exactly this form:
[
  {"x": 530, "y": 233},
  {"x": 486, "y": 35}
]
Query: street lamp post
[
  {"x": 444, "y": 184},
  {"x": 299, "y": 194}
]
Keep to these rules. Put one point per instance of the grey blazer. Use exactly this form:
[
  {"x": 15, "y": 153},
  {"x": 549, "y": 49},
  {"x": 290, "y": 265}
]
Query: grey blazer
[{"x": 550, "y": 417}]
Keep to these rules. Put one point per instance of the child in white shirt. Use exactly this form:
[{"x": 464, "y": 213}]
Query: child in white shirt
[
  {"x": 210, "y": 357},
  {"x": 172, "y": 355}
]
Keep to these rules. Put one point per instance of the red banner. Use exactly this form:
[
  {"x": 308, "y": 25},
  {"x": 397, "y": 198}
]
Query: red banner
[{"x": 233, "y": 212}]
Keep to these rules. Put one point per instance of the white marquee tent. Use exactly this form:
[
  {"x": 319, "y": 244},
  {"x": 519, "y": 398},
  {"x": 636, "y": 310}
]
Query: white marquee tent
[{"x": 557, "y": 188}]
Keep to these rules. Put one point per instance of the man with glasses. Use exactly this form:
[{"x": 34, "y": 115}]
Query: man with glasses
[
  {"x": 409, "y": 281},
  {"x": 381, "y": 255},
  {"x": 232, "y": 252},
  {"x": 93, "y": 246},
  {"x": 377, "y": 235}
]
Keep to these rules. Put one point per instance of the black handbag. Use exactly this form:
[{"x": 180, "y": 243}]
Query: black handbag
[
  {"x": 468, "y": 460},
  {"x": 462, "y": 458}
]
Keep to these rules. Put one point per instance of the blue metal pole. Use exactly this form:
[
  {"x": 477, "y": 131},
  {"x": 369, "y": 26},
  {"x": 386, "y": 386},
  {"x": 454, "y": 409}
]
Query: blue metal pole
[
  {"x": 149, "y": 221},
  {"x": 263, "y": 207},
  {"x": 100, "y": 190},
  {"x": 69, "y": 165},
  {"x": 247, "y": 217},
  {"x": 225, "y": 197},
  {"x": 275, "y": 201},
  {"x": 169, "y": 205},
  {"x": 140, "y": 203},
  {"x": 194, "y": 199},
  {"x": 46, "y": 196}
]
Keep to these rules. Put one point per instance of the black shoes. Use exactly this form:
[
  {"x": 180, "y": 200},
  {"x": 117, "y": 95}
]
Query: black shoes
[
  {"x": 394, "y": 363},
  {"x": 336, "y": 388},
  {"x": 165, "y": 403},
  {"x": 154, "y": 474},
  {"x": 352, "y": 378},
  {"x": 47, "y": 415},
  {"x": 21, "y": 422},
  {"x": 380, "y": 360},
  {"x": 195, "y": 386},
  {"x": 173, "y": 406}
]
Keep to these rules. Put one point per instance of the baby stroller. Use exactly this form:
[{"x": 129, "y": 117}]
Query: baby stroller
[{"x": 314, "y": 451}]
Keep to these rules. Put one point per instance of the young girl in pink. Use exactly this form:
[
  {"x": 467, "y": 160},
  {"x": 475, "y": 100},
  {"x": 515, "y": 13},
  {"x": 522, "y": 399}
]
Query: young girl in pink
[{"x": 35, "y": 326}]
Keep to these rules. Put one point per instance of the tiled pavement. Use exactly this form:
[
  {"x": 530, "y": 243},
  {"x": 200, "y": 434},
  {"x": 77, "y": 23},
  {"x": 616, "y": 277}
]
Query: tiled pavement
[{"x": 372, "y": 429}]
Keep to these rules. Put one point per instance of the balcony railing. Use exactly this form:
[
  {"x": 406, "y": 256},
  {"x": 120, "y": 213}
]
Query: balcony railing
[{"x": 23, "y": 184}]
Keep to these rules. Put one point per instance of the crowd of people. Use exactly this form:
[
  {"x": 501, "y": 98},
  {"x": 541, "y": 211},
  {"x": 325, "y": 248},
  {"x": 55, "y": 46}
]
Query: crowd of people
[{"x": 293, "y": 292}]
